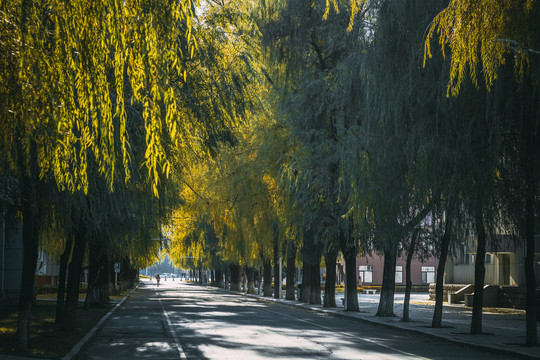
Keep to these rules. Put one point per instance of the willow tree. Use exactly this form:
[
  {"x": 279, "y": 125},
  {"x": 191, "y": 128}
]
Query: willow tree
[
  {"x": 389, "y": 100},
  {"x": 238, "y": 202},
  {"x": 274, "y": 153},
  {"x": 304, "y": 55},
  {"x": 484, "y": 38},
  {"x": 70, "y": 75}
]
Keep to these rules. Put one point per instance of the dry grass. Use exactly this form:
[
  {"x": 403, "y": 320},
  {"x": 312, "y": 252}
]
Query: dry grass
[
  {"x": 495, "y": 310},
  {"x": 45, "y": 340}
]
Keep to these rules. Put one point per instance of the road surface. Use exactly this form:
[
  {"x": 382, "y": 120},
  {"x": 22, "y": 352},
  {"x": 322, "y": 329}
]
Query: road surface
[{"x": 181, "y": 321}]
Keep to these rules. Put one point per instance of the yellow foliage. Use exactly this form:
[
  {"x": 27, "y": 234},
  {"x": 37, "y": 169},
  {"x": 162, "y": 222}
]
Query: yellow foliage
[
  {"x": 78, "y": 67},
  {"x": 480, "y": 34}
]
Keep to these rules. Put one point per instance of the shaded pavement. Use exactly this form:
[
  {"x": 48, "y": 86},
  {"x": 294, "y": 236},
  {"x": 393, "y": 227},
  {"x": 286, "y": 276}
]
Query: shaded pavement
[
  {"x": 178, "y": 320},
  {"x": 503, "y": 329}
]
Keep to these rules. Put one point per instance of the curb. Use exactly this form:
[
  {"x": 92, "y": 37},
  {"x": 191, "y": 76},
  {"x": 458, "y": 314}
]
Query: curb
[
  {"x": 343, "y": 315},
  {"x": 78, "y": 347}
]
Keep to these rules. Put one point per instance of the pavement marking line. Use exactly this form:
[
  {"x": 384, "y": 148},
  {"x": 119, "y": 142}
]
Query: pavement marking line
[
  {"x": 173, "y": 332},
  {"x": 351, "y": 335}
]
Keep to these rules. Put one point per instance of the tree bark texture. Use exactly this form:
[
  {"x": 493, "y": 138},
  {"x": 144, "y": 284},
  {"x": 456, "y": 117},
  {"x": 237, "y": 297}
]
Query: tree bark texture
[
  {"x": 267, "y": 284},
  {"x": 408, "y": 281},
  {"x": 250, "y": 274},
  {"x": 479, "y": 274},
  {"x": 97, "y": 275},
  {"x": 30, "y": 226},
  {"x": 74, "y": 277},
  {"x": 351, "y": 289},
  {"x": 60, "y": 297},
  {"x": 235, "y": 277},
  {"x": 219, "y": 278},
  {"x": 439, "y": 285},
  {"x": 291, "y": 269},
  {"x": 30, "y": 235},
  {"x": 244, "y": 280},
  {"x": 277, "y": 280},
  {"x": 386, "y": 302},
  {"x": 530, "y": 279},
  {"x": 306, "y": 284},
  {"x": 104, "y": 279},
  {"x": 330, "y": 284},
  {"x": 127, "y": 274},
  {"x": 315, "y": 284}
]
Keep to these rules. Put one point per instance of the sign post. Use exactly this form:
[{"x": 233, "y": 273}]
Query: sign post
[{"x": 116, "y": 271}]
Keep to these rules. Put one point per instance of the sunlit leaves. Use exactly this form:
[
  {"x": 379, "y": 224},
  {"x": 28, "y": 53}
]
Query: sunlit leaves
[
  {"x": 479, "y": 35},
  {"x": 80, "y": 66}
]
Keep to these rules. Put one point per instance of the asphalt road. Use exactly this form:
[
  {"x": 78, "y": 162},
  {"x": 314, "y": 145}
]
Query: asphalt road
[{"x": 183, "y": 321}]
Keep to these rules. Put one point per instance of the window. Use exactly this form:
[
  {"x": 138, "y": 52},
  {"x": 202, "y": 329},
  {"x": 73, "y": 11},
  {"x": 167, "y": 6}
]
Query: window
[
  {"x": 428, "y": 274},
  {"x": 399, "y": 274},
  {"x": 462, "y": 256},
  {"x": 488, "y": 259},
  {"x": 365, "y": 274}
]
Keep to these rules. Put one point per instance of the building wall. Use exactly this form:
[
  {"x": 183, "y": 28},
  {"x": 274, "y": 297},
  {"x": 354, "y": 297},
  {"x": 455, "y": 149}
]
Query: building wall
[
  {"x": 460, "y": 274},
  {"x": 377, "y": 264},
  {"x": 497, "y": 272}
]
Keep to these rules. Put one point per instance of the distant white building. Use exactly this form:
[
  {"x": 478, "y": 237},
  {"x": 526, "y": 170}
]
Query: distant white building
[
  {"x": 504, "y": 262},
  {"x": 504, "y": 271}
]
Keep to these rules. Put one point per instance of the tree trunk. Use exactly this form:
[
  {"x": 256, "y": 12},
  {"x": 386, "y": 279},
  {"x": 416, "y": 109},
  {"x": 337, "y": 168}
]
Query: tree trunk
[
  {"x": 439, "y": 285},
  {"x": 315, "y": 282},
  {"x": 93, "y": 296},
  {"x": 127, "y": 275},
  {"x": 30, "y": 215},
  {"x": 479, "y": 274},
  {"x": 30, "y": 235},
  {"x": 74, "y": 278},
  {"x": 219, "y": 278},
  {"x": 259, "y": 280},
  {"x": 235, "y": 277},
  {"x": 330, "y": 284},
  {"x": 277, "y": 280},
  {"x": 227, "y": 275},
  {"x": 386, "y": 302},
  {"x": 530, "y": 280},
  {"x": 351, "y": 290},
  {"x": 104, "y": 279},
  {"x": 244, "y": 280},
  {"x": 250, "y": 274},
  {"x": 306, "y": 284},
  {"x": 64, "y": 258},
  {"x": 291, "y": 269},
  {"x": 408, "y": 286},
  {"x": 267, "y": 285}
]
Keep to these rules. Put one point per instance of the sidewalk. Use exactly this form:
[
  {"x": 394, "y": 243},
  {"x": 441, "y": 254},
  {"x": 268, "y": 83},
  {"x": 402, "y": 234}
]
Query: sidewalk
[{"x": 504, "y": 332}]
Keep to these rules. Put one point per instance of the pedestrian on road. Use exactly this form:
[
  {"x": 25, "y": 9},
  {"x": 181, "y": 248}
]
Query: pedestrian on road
[{"x": 157, "y": 279}]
